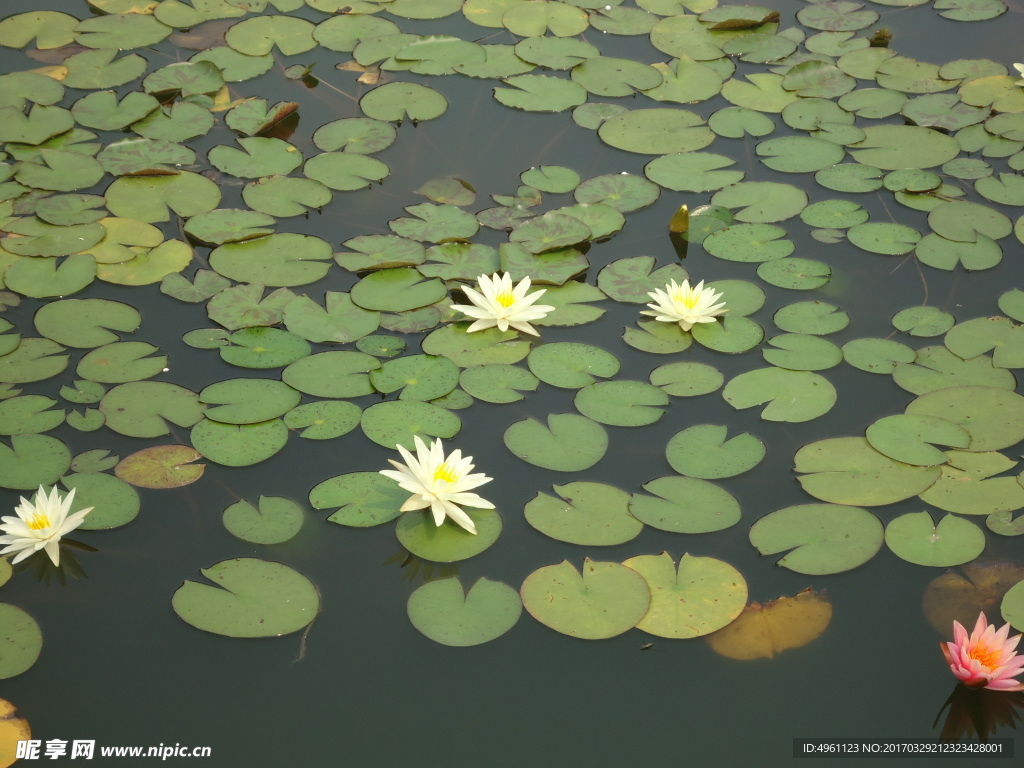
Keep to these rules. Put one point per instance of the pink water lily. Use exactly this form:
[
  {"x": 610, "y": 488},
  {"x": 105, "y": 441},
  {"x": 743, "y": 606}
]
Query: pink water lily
[{"x": 987, "y": 658}]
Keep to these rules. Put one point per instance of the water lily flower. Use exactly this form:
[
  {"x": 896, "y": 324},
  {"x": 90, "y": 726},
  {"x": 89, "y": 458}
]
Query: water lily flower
[
  {"x": 685, "y": 305},
  {"x": 1020, "y": 70},
  {"x": 986, "y": 659},
  {"x": 499, "y": 303},
  {"x": 439, "y": 482},
  {"x": 40, "y": 524}
]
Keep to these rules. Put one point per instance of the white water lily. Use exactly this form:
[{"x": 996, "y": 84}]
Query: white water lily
[
  {"x": 40, "y": 524},
  {"x": 685, "y": 305},
  {"x": 439, "y": 482},
  {"x": 499, "y": 303},
  {"x": 1020, "y": 71}
]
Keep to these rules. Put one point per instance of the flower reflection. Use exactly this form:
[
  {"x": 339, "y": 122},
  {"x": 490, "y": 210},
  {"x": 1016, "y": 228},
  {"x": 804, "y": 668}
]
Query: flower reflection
[{"x": 979, "y": 713}]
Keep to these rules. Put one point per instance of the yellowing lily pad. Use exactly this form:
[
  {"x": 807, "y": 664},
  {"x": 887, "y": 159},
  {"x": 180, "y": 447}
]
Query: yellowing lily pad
[{"x": 763, "y": 630}]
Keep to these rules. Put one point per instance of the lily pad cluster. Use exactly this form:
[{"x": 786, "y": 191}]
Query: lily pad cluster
[{"x": 103, "y": 186}]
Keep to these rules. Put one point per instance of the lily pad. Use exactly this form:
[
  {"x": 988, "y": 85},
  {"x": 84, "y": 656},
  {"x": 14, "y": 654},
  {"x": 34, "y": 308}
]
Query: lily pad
[
  {"x": 571, "y": 365},
  {"x": 362, "y": 498},
  {"x": 605, "y": 600},
  {"x": 703, "y": 595},
  {"x": 763, "y": 630},
  {"x": 447, "y": 543},
  {"x": 823, "y": 538},
  {"x": 441, "y": 611},
  {"x": 702, "y": 451},
  {"x": 685, "y": 505},
  {"x": 31, "y": 461},
  {"x": 792, "y": 396},
  {"x": 253, "y": 598},
  {"x": 161, "y": 466},
  {"x": 395, "y": 423},
  {"x": 915, "y": 538},
  {"x": 993, "y": 417},
  {"x": 569, "y": 443},
  {"x": 239, "y": 445},
  {"x": 275, "y": 521},
  {"x": 21, "y": 637},
  {"x": 847, "y": 470},
  {"x": 589, "y": 514}
]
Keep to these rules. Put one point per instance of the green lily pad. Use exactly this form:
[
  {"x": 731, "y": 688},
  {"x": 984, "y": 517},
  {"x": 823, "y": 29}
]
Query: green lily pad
[
  {"x": 345, "y": 171},
  {"x": 792, "y": 396},
  {"x": 28, "y": 414},
  {"x": 551, "y": 231},
  {"x": 693, "y": 172},
  {"x": 967, "y": 487},
  {"x": 593, "y": 514},
  {"x": 258, "y": 157},
  {"x": 540, "y": 93},
  {"x": 239, "y": 445},
  {"x": 339, "y": 320},
  {"x": 605, "y": 600},
  {"x": 441, "y": 611},
  {"x": 923, "y": 321},
  {"x": 703, "y": 595},
  {"x": 624, "y": 192},
  {"x": 656, "y": 131},
  {"x": 253, "y": 598},
  {"x": 749, "y": 243},
  {"x": 569, "y": 443},
  {"x": 121, "y": 30},
  {"x": 153, "y": 198},
  {"x": 396, "y": 290},
  {"x": 362, "y": 499},
  {"x": 419, "y": 377},
  {"x": 21, "y": 636},
  {"x": 275, "y": 521},
  {"x": 737, "y": 122},
  {"x": 993, "y": 417},
  {"x": 248, "y": 401},
  {"x": 621, "y": 403},
  {"x": 263, "y": 348},
  {"x": 497, "y": 383},
  {"x": 762, "y": 202},
  {"x": 143, "y": 408},
  {"x": 685, "y": 505},
  {"x": 733, "y": 335},
  {"x": 396, "y": 101},
  {"x": 814, "y": 317},
  {"x": 84, "y": 323},
  {"x": 258, "y": 36},
  {"x": 31, "y": 461},
  {"x": 916, "y": 538},
  {"x": 891, "y": 147},
  {"x": 478, "y": 348},
  {"x": 1012, "y": 606},
  {"x": 395, "y": 423},
  {"x": 323, "y": 421},
  {"x": 284, "y": 259},
  {"x": 823, "y": 538},
  {"x": 938, "y": 368},
  {"x": 49, "y": 29},
  {"x": 447, "y": 543},
  {"x": 571, "y": 365},
  {"x": 908, "y": 438},
  {"x": 121, "y": 362},
  {"x": 801, "y": 352},
  {"x": 1001, "y": 336},
  {"x": 286, "y": 196},
  {"x": 33, "y": 359},
  {"x": 847, "y": 470},
  {"x": 703, "y": 452},
  {"x": 114, "y": 502}
]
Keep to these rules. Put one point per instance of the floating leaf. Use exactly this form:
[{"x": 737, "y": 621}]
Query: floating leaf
[
  {"x": 396, "y": 101},
  {"x": 656, "y": 131},
  {"x": 239, "y": 445},
  {"x": 685, "y": 505},
  {"x": 703, "y": 595},
  {"x": 143, "y": 408},
  {"x": 275, "y": 521},
  {"x": 253, "y": 598},
  {"x": 22, "y": 640},
  {"x": 593, "y": 514},
  {"x": 993, "y": 417},
  {"x": 762, "y": 631},
  {"x": 569, "y": 443},
  {"x": 441, "y": 611},
  {"x": 917, "y": 539},
  {"x": 497, "y": 383},
  {"x": 114, "y": 502},
  {"x": 824, "y": 538},
  {"x": 621, "y": 403},
  {"x": 702, "y": 451},
  {"x": 793, "y": 396},
  {"x": 32, "y": 460},
  {"x": 162, "y": 466},
  {"x": 847, "y": 470},
  {"x": 447, "y": 543},
  {"x": 363, "y": 498},
  {"x": 605, "y": 601},
  {"x": 396, "y": 423},
  {"x": 571, "y": 365}
]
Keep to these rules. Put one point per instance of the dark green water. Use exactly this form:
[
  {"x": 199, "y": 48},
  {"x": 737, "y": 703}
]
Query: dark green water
[{"x": 119, "y": 667}]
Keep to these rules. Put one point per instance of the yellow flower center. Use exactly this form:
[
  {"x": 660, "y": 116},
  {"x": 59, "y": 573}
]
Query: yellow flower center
[
  {"x": 506, "y": 299},
  {"x": 38, "y": 522},
  {"x": 987, "y": 655},
  {"x": 687, "y": 299},
  {"x": 446, "y": 473}
]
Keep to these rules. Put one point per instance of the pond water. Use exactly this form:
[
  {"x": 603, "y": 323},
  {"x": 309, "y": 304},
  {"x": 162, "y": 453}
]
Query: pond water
[{"x": 361, "y": 685}]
